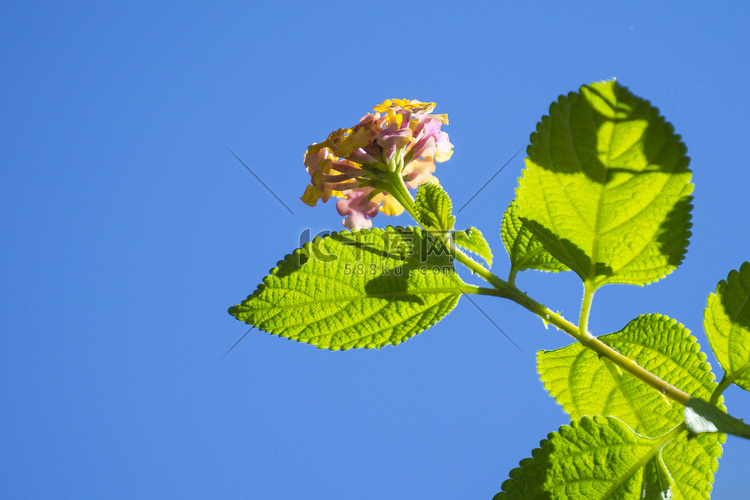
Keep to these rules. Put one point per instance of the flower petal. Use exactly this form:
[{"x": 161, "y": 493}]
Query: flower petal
[
  {"x": 358, "y": 208},
  {"x": 311, "y": 196}
]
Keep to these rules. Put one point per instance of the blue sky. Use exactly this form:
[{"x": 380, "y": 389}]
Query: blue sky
[{"x": 128, "y": 229}]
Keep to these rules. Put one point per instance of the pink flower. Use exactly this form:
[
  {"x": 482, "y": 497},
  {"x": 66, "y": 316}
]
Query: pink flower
[
  {"x": 353, "y": 164},
  {"x": 358, "y": 208}
]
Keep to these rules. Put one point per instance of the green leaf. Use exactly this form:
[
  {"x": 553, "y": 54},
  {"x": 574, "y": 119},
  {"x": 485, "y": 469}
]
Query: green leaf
[
  {"x": 585, "y": 384},
  {"x": 364, "y": 288},
  {"x": 606, "y": 187},
  {"x": 727, "y": 324},
  {"x": 591, "y": 459},
  {"x": 601, "y": 457},
  {"x": 524, "y": 249},
  {"x": 434, "y": 207},
  {"x": 692, "y": 463},
  {"x": 701, "y": 416},
  {"x": 472, "y": 240}
]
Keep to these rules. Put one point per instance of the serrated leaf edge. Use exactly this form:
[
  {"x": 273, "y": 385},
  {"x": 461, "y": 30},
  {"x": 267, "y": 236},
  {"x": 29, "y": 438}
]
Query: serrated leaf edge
[{"x": 304, "y": 250}]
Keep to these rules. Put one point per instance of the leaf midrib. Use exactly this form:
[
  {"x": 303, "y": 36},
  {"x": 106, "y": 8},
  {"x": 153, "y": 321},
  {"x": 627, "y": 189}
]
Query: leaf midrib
[
  {"x": 447, "y": 290},
  {"x": 600, "y": 201}
]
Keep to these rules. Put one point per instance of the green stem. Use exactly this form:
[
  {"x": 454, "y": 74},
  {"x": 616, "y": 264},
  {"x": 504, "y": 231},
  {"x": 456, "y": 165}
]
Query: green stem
[
  {"x": 726, "y": 381},
  {"x": 630, "y": 366},
  {"x": 399, "y": 191},
  {"x": 477, "y": 268},
  {"x": 512, "y": 275},
  {"x": 588, "y": 298},
  {"x": 587, "y": 340}
]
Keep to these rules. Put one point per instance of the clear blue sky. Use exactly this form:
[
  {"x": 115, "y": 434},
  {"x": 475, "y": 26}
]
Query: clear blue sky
[{"x": 127, "y": 229}]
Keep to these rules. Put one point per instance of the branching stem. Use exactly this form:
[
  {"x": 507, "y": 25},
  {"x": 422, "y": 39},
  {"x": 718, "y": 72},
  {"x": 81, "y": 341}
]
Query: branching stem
[
  {"x": 502, "y": 288},
  {"x": 506, "y": 290}
]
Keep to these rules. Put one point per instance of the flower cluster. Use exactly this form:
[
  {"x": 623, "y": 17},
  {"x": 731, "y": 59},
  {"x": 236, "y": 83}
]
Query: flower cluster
[{"x": 400, "y": 141}]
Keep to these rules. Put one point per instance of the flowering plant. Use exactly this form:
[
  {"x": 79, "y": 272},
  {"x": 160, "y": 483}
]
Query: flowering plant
[
  {"x": 605, "y": 194},
  {"x": 369, "y": 165}
]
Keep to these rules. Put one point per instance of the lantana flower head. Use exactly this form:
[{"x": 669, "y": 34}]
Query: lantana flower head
[{"x": 358, "y": 164}]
